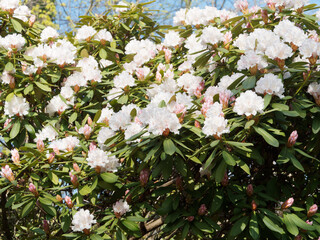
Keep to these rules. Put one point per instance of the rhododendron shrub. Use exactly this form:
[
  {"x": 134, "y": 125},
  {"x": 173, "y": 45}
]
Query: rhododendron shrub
[{"x": 126, "y": 129}]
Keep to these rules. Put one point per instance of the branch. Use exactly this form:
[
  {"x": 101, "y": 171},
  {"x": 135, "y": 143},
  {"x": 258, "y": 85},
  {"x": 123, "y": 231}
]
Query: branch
[{"x": 4, "y": 220}]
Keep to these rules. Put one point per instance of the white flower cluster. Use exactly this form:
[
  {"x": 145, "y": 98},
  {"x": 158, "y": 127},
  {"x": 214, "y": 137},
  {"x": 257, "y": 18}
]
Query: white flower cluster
[
  {"x": 47, "y": 133},
  {"x": 16, "y": 106},
  {"x": 197, "y": 16},
  {"x": 249, "y": 104},
  {"x": 270, "y": 84},
  {"x": 65, "y": 144},
  {"x": 82, "y": 219},
  {"x": 12, "y": 42},
  {"x": 121, "y": 207},
  {"x": 98, "y": 158},
  {"x": 215, "y": 124}
]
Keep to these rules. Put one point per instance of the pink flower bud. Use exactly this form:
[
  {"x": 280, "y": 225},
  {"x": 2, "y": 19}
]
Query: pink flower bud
[
  {"x": 287, "y": 203},
  {"x": 250, "y": 190},
  {"x": 167, "y": 55},
  {"x": 227, "y": 37},
  {"x": 32, "y": 20},
  {"x": 40, "y": 145},
  {"x": 254, "y": 205},
  {"x": 309, "y": 222},
  {"x": 190, "y": 218},
  {"x": 225, "y": 179},
  {"x": 51, "y": 157},
  {"x": 89, "y": 121},
  {"x": 7, "y": 173},
  {"x": 202, "y": 210},
  {"x": 56, "y": 150},
  {"x": 92, "y": 146},
  {"x": 292, "y": 139},
  {"x": 59, "y": 198},
  {"x": 68, "y": 201},
  {"x": 144, "y": 177},
  {"x": 76, "y": 167},
  {"x": 33, "y": 189},
  {"x": 74, "y": 179},
  {"x": 140, "y": 74},
  {"x": 224, "y": 98},
  {"x": 46, "y": 227},
  {"x": 197, "y": 124},
  {"x": 312, "y": 210},
  {"x": 15, "y": 156},
  {"x": 158, "y": 77},
  {"x": 6, "y": 123},
  {"x": 242, "y": 5}
]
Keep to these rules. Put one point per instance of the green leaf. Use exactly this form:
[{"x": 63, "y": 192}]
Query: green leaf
[
  {"x": 267, "y": 136},
  {"x": 28, "y": 89},
  {"x": 132, "y": 226},
  {"x": 267, "y": 99},
  {"x": 16, "y": 25},
  {"x": 291, "y": 226},
  {"x": 73, "y": 117},
  {"x": 49, "y": 209},
  {"x": 220, "y": 171},
  {"x": 249, "y": 83},
  {"x": 254, "y": 227},
  {"x": 9, "y": 67},
  {"x": 228, "y": 158},
  {"x": 217, "y": 200},
  {"x": 85, "y": 190},
  {"x": 271, "y": 225},
  {"x": 239, "y": 226},
  {"x": 95, "y": 237},
  {"x": 15, "y": 129},
  {"x": 4, "y": 189},
  {"x": 103, "y": 53},
  {"x": 43, "y": 87},
  {"x": 316, "y": 124},
  {"x": 27, "y": 209},
  {"x": 66, "y": 222},
  {"x": 169, "y": 147},
  {"x": 109, "y": 177},
  {"x": 53, "y": 177},
  {"x": 299, "y": 222}
]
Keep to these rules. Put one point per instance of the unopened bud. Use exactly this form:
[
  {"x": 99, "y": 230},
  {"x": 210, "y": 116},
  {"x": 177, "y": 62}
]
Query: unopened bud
[
  {"x": 46, "y": 227},
  {"x": 202, "y": 210},
  {"x": 287, "y": 203},
  {"x": 32, "y": 20},
  {"x": 15, "y": 156},
  {"x": 74, "y": 179},
  {"x": 59, "y": 198},
  {"x": 40, "y": 145},
  {"x": 250, "y": 190},
  {"x": 86, "y": 231},
  {"x": 76, "y": 167},
  {"x": 89, "y": 121},
  {"x": 264, "y": 15},
  {"x": 7, "y": 173},
  {"x": 190, "y": 218},
  {"x": 197, "y": 124},
  {"x": 33, "y": 189},
  {"x": 312, "y": 210},
  {"x": 225, "y": 179},
  {"x": 254, "y": 205},
  {"x": 92, "y": 146},
  {"x": 144, "y": 177},
  {"x": 68, "y": 201},
  {"x": 292, "y": 139},
  {"x": 51, "y": 157},
  {"x": 166, "y": 132}
]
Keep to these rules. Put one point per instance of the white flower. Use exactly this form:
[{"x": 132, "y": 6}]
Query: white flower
[
  {"x": 279, "y": 50},
  {"x": 251, "y": 60},
  {"x": 189, "y": 82},
  {"x": 85, "y": 33},
  {"x": 90, "y": 69},
  {"x": 76, "y": 79},
  {"x": 13, "y": 41},
  {"x": 7, "y": 77},
  {"x": 123, "y": 79},
  {"x": 82, "y": 220},
  {"x": 144, "y": 50},
  {"x": 159, "y": 120},
  {"x": 22, "y": 13},
  {"x": 106, "y": 113},
  {"x": 248, "y": 103},
  {"x": 98, "y": 158},
  {"x": 290, "y": 33},
  {"x": 104, "y": 134},
  {"x": 65, "y": 144},
  {"x": 122, "y": 118},
  {"x": 47, "y": 133},
  {"x": 132, "y": 129},
  {"x": 180, "y": 17},
  {"x": 270, "y": 84},
  {"x": 309, "y": 48},
  {"x": 215, "y": 110},
  {"x": 48, "y": 33},
  {"x": 67, "y": 92},
  {"x": 314, "y": 90},
  {"x": 215, "y": 126},
  {"x": 172, "y": 39},
  {"x": 63, "y": 52},
  {"x": 103, "y": 35},
  {"x": 226, "y": 81},
  {"x": 123, "y": 8},
  {"x": 57, "y": 105},
  {"x": 105, "y": 63},
  {"x": 121, "y": 207},
  {"x": 16, "y": 106},
  {"x": 211, "y": 35},
  {"x": 9, "y": 4}
]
